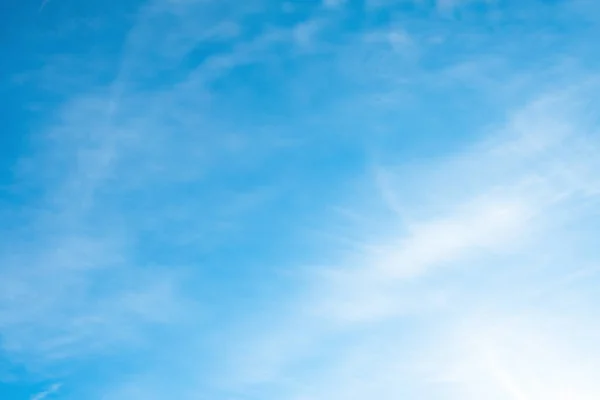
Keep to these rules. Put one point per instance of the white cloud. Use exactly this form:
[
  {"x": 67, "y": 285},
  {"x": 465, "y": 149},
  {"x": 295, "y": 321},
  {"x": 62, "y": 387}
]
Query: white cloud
[
  {"x": 84, "y": 285},
  {"x": 53, "y": 389},
  {"x": 79, "y": 278},
  {"x": 397, "y": 39},
  {"x": 523, "y": 355},
  {"x": 473, "y": 248},
  {"x": 305, "y": 32}
]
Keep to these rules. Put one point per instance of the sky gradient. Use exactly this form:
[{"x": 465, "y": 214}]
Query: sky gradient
[{"x": 301, "y": 200}]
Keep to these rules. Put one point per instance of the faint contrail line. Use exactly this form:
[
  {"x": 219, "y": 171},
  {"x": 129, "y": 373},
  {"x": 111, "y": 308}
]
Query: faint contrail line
[{"x": 44, "y": 2}]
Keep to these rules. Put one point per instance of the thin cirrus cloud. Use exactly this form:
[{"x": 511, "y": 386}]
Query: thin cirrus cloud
[
  {"x": 304, "y": 201},
  {"x": 48, "y": 392},
  {"x": 451, "y": 306}
]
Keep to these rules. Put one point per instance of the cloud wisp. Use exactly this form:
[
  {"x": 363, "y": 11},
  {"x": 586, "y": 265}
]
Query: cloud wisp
[
  {"x": 444, "y": 308},
  {"x": 306, "y": 200},
  {"x": 54, "y": 388}
]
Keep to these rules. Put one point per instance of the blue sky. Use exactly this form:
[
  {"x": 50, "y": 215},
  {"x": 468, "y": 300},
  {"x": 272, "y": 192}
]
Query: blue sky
[{"x": 301, "y": 200}]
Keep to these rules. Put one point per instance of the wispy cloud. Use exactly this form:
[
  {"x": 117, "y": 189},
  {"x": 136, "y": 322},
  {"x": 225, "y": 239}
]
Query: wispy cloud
[
  {"x": 320, "y": 201},
  {"x": 475, "y": 250},
  {"x": 54, "y": 388},
  {"x": 101, "y": 261},
  {"x": 43, "y": 4}
]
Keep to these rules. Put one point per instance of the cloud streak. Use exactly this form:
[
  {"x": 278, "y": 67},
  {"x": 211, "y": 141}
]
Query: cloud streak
[
  {"x": 311, "y": 201},
  {"x": 475, "y": 264},
  {"x": 54, "y": 388}
]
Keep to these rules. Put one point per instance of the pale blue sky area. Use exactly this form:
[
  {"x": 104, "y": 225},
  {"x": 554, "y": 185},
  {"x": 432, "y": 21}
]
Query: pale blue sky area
[{"x": 301, "y": 200}]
